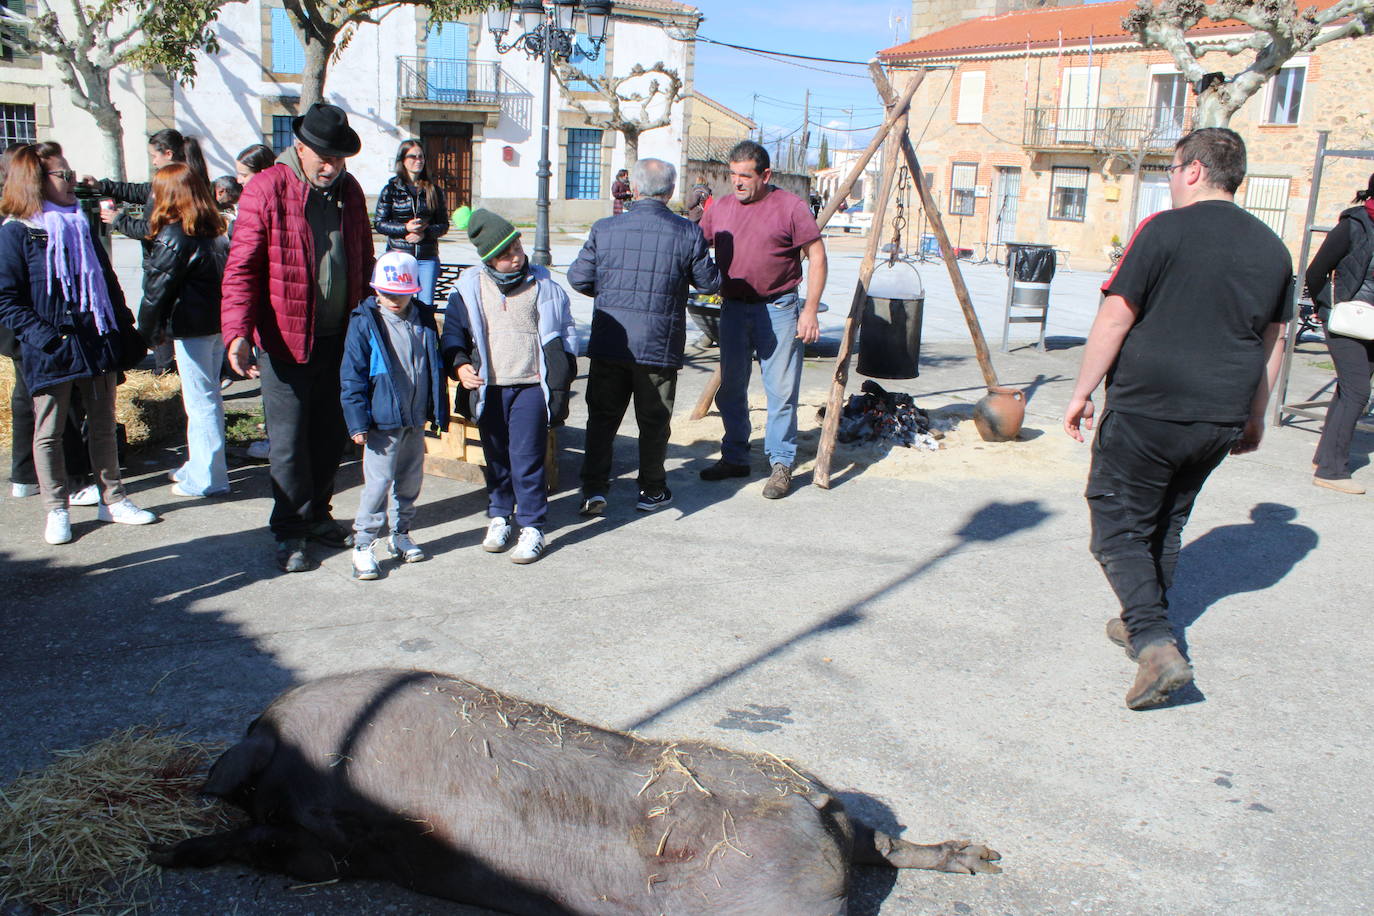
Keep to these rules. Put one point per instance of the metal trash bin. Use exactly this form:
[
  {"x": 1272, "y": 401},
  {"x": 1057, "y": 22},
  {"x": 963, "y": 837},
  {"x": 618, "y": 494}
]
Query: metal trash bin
[
  {"x": 890, "y": 328},
  {"x": 1030, "y": 268},
  {"x": 89, "y": 202}
]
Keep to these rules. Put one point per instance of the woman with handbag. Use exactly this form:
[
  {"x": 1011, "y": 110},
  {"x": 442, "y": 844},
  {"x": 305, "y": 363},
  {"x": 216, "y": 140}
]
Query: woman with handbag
[
  {"x": 181, "y": 298},
  {"x": 1341, "y": 273},
  {"x": 412, "y": 214},
  {"x": 60, "y": 296}
]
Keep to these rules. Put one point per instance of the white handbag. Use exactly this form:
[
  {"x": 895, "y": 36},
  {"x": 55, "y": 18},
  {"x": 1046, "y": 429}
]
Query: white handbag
[{"x": 1351, "y": 318}]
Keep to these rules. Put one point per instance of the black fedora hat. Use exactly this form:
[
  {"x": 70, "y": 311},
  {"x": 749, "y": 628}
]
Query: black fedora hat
[{"x": 324, "y": 128}]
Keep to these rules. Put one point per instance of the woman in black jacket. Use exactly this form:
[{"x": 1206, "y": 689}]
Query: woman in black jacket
[
  {"x": 181, "y": 297},
  {"x": 61, "y": 298},
  {"x": 411, "y": 213},
  {"x": 1344, "y": 262}
]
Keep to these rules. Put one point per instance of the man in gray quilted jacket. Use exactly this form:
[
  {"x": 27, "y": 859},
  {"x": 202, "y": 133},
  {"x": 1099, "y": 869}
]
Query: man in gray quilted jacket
[{"x": 638, "y": 265}]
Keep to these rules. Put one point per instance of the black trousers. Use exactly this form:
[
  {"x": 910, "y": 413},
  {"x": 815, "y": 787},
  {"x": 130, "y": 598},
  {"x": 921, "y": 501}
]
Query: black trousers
[
  {"x": 21, "y": 436},
  {"x": 1354, "y": 361},
  {"x": 306, "y": 437},
  {"x": 611, "y": 384},
  {"x": 1145, "y": 477}
]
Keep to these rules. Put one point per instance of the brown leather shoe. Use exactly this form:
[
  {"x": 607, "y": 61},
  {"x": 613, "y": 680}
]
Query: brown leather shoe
[
  {"x": 1163, "y": 669},
  {"x": 1116, "y": 632},
  {"x": 779, "y": 482}
]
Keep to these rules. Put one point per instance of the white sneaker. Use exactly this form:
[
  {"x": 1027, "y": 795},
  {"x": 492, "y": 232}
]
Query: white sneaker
[
  {"x": 22, "y": 490},
  {"x": 365, "y": 564},
  {"x": 402, "y": 546},
  {"x": 258, "y": 451},
  {"x": 59, "y": 527},
  {"x": 529, "y": 547},
  {"x": 88, "y": 495},
  {"x": 498, "y": 535},
  {"x": 125, "y": 513}
]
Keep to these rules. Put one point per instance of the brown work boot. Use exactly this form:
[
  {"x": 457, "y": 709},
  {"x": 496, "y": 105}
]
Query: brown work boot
[
  {"x": 1163, "y": 669},
  {"x": 1116, "y": 632},
  {"x": 779, "y": 482}
]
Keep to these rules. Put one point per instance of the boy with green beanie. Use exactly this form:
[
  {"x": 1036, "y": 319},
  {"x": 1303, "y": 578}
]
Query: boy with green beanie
[{"x": 509, "y": 341}]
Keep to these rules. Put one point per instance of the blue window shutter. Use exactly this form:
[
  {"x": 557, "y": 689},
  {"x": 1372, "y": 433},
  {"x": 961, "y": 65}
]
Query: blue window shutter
[
  {"x": 582, "y": 46},
  {"x": 446, "y": 51},
  {"x": 287, "y": 54}
]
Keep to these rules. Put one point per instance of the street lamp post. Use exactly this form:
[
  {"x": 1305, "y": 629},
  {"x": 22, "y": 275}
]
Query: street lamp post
[{"x": 546, "y": 33}]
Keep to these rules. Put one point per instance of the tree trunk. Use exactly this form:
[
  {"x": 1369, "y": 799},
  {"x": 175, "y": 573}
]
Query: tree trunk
[
  {"x": 96, "y": 101},
  {"x": 1213, "y": 110},
  {"x": 631, "y": 147},
  {"x": 316, "y": 70},
  {"x": 112, "y": 133}
]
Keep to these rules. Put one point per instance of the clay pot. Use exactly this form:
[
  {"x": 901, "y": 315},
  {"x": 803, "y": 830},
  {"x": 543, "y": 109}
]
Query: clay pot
[{"x": 999, "y": 414}]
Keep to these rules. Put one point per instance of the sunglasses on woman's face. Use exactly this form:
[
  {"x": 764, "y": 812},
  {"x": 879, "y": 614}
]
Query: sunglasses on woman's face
[{"x": 67, "y": 175}]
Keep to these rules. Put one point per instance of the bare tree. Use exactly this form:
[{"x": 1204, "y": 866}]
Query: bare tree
[
  {"x": 325, "y": 27},
  {"x": 630, "y": 112},
  {"x": 1280, "y": 31},
  {"x": 94, "y": 38}
]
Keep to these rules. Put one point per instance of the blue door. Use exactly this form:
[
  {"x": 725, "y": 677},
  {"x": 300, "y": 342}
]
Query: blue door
[{"x": 446, "y": 53}]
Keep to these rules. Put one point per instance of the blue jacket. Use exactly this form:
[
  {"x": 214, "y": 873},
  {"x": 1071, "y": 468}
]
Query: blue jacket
[
  {"x": 366, "y": 390},
  {"x": 638, "y": 266},
  {"x": 57, "y": 342},
  {"x": 465, "y": 342}
]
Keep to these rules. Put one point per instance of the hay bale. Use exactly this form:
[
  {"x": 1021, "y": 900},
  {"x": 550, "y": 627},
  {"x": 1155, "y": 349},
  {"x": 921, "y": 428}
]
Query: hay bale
[
  {"x": 149, "y": 406},
  {"x": 74, "y": 835}
]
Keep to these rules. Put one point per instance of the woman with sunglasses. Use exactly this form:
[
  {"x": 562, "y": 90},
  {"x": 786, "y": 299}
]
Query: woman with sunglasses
[
  {"x": 61, "y": 298},
  {"x": 181, "y": 297},
  {"x": 412, "y": 214}
]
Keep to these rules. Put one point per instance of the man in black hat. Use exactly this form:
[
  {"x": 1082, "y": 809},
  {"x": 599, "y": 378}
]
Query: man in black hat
[{"x": 299, "y": 262}]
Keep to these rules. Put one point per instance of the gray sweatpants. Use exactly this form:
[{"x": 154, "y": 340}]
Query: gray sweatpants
[{"x": 393, "y": 468}]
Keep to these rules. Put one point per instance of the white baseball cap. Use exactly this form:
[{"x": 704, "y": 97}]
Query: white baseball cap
[{"x": 396, "y": 272}]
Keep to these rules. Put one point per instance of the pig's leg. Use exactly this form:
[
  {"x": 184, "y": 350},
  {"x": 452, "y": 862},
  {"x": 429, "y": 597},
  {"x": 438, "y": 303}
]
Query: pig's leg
[
  {"x": 873, "y": 847},
  {"x": 281, "y": 849}
]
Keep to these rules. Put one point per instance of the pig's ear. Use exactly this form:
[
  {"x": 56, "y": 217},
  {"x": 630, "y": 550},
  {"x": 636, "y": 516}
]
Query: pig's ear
[{"x": 238, "y": 767}]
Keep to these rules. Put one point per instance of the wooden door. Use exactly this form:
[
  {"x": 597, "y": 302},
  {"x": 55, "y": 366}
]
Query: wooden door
[{"x": 448, "y": 153}]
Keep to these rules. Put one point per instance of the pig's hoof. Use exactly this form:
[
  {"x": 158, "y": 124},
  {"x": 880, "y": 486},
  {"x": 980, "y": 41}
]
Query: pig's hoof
[
  {"x": 964, "y": 858},
  {"x": 162, "y": 854}
]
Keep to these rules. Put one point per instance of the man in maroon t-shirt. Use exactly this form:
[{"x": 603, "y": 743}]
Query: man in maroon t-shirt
[{"x": 760, "y": 234}]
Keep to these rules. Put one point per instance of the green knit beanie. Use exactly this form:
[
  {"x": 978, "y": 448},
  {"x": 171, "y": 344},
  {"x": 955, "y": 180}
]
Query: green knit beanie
[{"x": 490, "y": 234}]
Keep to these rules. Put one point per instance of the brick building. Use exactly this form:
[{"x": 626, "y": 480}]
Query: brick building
[{"x": 1054, "y": 126}]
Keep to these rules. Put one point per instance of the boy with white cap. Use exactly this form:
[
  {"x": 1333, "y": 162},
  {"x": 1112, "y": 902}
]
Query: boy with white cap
[{"x": 392, "y": 382}]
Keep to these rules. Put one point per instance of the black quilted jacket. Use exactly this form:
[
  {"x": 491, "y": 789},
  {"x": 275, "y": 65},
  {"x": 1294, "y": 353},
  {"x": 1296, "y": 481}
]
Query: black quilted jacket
[
  {"x": 638, "y": 265},
  {"x": 397, "y": 205}
]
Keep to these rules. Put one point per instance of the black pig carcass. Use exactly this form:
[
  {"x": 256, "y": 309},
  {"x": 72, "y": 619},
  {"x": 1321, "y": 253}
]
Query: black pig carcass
[{"x": 455, "y": 790}]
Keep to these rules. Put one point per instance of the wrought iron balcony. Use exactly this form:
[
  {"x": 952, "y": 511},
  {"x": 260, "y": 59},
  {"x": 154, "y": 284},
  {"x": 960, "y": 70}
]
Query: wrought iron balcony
[
  {"x": 1144, "y": 129},
  {"x": 454, "y": 81}
]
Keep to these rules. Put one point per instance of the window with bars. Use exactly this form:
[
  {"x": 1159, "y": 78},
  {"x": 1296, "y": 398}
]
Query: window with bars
[
  {"x": 584, "y": 164},
  {"x": 963, "y": 177},
  {"x": 1069, "y": 193},
  {"x": 1267, "y": 198},
  {"x": 282, "y": 135},
  {"x": 1285, "y": 96},
  {"x": 18, "y": 124},
  {"x": 287, "y": 54}
]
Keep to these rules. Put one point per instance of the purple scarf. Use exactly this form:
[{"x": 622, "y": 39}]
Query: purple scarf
[{"x": 71, "y": 259}]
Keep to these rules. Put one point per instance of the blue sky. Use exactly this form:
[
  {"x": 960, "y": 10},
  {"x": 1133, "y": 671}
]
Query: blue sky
[{"x": 852, "y": 30}]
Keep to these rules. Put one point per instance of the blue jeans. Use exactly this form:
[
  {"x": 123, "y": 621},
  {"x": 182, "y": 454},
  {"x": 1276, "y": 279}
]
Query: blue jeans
[
  {"x": 768, "y": 330},
  {"x": 429, "y": 276},
  {"x": 198, "y": 361}
]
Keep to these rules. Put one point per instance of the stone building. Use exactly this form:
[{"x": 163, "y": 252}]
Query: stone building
[
  {"x": 1055, "y": 126},
  {"x": 932, "y": 15}
]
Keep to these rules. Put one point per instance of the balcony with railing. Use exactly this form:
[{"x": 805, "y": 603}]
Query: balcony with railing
[
  {"x": 435, "y": 83},
  {"x": 1144, "y": 130}
]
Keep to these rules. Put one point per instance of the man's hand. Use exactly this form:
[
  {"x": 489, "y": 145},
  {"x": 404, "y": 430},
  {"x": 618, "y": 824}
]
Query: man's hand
[
  {"x": 468, "y": 377},
  {"x": 359, "y": 438},
  {"x": 1249, "y": 439},
  {"x": 1080, "y": 410},
  {"x": 808, "y": 327},
  {"x": 241, "y": 358}
]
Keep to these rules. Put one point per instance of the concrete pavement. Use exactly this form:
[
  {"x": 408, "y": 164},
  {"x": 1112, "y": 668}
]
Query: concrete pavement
[{"x": 933, "y": 647}]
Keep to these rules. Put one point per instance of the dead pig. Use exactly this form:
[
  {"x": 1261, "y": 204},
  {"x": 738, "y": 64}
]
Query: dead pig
[{"x": 458, "y": 791}]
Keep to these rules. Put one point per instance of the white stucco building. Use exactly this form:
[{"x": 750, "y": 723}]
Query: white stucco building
[{"x": 476, "y": 111}]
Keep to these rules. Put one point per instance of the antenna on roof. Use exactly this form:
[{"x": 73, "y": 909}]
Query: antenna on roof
[{"x": 895, "y": 21}]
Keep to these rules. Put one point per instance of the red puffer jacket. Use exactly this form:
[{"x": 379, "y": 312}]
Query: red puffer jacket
[{"x": 269, "y": 281}]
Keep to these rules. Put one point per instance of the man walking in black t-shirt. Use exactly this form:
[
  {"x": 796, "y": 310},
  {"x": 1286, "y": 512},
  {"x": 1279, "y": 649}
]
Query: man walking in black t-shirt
[{"x": 1188, "y": 339}]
